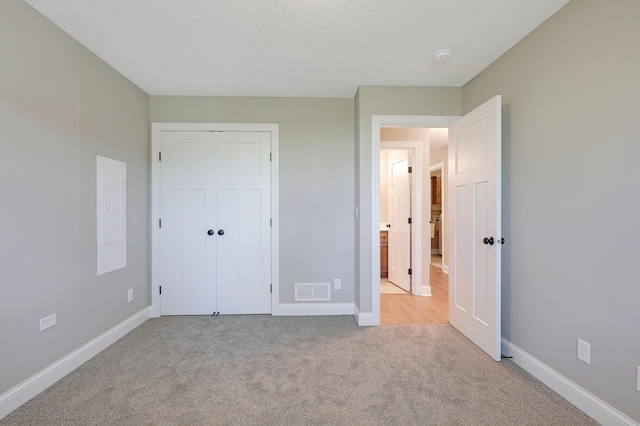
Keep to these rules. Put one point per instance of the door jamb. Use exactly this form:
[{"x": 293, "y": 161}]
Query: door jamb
[
  {"x": 440, "y": 166},
  {"x": 378, "y": 121},
  {"x": 156, "y": 129}
]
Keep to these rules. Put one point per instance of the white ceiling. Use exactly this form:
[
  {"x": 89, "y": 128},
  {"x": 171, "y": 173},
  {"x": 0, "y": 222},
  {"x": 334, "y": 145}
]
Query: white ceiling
[{"x": 306, "y": 48}]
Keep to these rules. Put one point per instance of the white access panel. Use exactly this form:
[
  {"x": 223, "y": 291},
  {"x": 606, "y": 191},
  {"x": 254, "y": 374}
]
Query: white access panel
[{"x": 111, "y": 209}]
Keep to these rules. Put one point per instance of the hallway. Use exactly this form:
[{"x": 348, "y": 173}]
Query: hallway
[{"x": 410, "y": 309}]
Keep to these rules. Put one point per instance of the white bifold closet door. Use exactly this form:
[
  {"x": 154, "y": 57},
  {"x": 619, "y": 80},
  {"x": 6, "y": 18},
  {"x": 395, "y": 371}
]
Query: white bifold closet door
[{"x": 215, "y": 235}]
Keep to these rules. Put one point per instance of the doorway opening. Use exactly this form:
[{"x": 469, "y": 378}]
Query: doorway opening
[
  {"x": 475, "y": 211},
  {"x": 378, "y": 122},
  {"x": 426, "y": 300},
  {"x": 215, "y": 140}
]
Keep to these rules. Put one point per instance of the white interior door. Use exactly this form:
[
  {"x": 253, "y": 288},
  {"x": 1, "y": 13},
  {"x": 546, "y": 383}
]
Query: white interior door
[
  {"x": 475, "y": 206},
  {"x": 399, "y": 214},
  {"x": 244, "y": 212},
  {"x": 215, "y": 238},
  {"x": 188, "y": 211}
]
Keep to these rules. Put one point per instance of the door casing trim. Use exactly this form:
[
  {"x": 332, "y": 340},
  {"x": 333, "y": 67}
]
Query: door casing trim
[{"x": 156, "y": 129}]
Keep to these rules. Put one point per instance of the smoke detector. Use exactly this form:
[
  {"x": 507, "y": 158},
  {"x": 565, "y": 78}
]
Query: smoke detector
[{"x": 442, "y": 55}]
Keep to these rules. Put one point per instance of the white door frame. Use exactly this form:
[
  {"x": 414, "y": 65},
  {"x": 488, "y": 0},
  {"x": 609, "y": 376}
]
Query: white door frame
[
  {"x": 156, "y": 129},
  {"x": 379, "y": 121},
  {"x": 415, "y": 147}
]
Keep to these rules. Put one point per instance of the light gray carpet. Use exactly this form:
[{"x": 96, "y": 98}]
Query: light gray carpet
[{"x": 263, "y": 370}]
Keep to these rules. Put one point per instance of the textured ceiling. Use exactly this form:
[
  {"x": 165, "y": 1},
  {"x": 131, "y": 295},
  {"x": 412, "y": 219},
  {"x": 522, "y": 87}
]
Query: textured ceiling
[{"x": 309, "y": 48}]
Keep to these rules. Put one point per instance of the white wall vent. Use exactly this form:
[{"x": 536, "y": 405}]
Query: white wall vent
[{"x": 313, "y": 292}]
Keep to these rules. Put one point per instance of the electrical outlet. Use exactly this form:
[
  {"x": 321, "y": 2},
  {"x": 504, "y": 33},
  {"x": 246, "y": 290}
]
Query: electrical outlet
[
  {"x": 48, "y": 322},
  {"x": 130, "y": 295},
  {"x": 337, "y": 284},
  {"x": 584, "y": 351}
]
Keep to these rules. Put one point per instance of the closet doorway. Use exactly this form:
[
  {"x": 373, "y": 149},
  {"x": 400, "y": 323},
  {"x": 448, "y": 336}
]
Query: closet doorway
[{"x": 215, "y": 218}]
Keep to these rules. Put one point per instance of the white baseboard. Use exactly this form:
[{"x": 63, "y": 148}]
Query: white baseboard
[
  {"x": 593, "y": 406},
  {"x": 23, "y": 392},
  {"x": 425, "y": 290},
  {"x": 364, "y": 319},
  {"x": 445, "y": 269},
  {"x": 312, "y": 309}
]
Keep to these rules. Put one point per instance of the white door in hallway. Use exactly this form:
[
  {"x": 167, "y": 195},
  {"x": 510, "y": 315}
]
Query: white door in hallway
[
  {"x": 399, "y": 214},
  {"x": 215, "y": 208},
  {"x": 475, "y": 224}
]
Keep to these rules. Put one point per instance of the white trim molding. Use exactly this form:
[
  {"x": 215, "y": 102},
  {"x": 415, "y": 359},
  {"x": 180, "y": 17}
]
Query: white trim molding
[
  {"x": 590, "y": 404},
  {"x": 314, "y": 309},
  {"x": 23, "y": 392},
  {"x": 365, "y": 319}
]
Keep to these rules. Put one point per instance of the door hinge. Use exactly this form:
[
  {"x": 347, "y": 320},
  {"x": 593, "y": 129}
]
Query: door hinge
[
  {"x": 159, "y": 156},
  {"x": 160, "y": 289},
  {"x": 410, "y": 169},
  {"x": 409, "y": 221},
  {"x": 270, "y": 157},
  {"x": 270, "y": 223},
  {"x": 409, "y": 271},
  {"x": 159, "y": 223},
  {"x": 270, "y": 288}
]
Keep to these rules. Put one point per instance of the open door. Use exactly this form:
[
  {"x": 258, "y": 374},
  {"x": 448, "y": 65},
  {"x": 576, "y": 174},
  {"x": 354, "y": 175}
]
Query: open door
[
  {"x": 475, "y": 226},
  {"x": 399, "y": 214}
]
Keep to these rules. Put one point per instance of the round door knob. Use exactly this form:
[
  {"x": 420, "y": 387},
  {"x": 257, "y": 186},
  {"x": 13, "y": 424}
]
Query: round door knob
[
  {"x": 210, "y": 232},
  {"x": 488, "y": 240},
  {"x": 221, "y": 232}
]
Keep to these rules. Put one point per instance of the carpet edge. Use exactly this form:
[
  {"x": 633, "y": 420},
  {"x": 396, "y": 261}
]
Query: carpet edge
[{"x": 28, "y": 389}]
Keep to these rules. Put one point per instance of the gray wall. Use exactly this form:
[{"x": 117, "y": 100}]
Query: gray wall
[
  {"x": 571, "y": 182},
  {"x": 60, "y": 106},
  {"x": 316, "y": 178},
  {"x": 384, "y": 100}
]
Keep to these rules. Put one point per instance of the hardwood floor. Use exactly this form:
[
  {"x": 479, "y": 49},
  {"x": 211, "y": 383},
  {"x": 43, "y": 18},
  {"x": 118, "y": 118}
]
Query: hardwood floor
[{"x": 410, "y": 309}]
